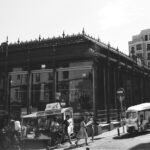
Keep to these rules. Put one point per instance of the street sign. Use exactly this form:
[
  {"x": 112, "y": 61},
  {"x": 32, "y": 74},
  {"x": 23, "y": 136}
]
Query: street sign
[
  {"x": 120, "y": 91},
  {"x": 120, "y": 94}
]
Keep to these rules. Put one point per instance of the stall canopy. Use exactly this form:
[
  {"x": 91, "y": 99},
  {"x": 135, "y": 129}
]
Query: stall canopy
[
  {"x": 51, "y": 109},
  {"x": 34, "y": 115}
]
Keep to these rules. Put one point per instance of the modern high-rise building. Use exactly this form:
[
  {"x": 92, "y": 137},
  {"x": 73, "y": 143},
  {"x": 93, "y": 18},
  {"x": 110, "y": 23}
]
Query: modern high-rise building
[{"x": 139, "y": 47}]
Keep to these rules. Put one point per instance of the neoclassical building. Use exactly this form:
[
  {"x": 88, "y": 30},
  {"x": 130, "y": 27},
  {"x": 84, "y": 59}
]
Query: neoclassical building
[{"x": 79, "y": 70}]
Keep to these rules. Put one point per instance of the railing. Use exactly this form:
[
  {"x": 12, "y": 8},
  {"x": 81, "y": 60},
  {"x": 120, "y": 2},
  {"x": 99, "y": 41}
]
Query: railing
[{"x": 102, "y": 115}]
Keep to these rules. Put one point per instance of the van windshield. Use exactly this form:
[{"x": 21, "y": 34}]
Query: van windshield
[{"x": 131, "y": 115}]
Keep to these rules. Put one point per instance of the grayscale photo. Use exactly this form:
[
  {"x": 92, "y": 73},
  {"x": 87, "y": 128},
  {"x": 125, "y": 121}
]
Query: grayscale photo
[{"x": 74, "y": 75}]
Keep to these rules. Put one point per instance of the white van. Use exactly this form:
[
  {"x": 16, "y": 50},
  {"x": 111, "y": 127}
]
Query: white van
[{"x": 138, "y": 118}]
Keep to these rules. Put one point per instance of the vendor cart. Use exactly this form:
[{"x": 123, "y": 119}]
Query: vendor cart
[{"x": 37, "y": 132}]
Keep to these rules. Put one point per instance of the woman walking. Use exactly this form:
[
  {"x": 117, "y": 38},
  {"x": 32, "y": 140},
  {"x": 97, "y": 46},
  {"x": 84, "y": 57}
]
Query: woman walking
[{"x": 82, "y": 134}]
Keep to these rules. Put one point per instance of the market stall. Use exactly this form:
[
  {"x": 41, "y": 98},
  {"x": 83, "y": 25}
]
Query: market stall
[{"x": 43, "y": 128}]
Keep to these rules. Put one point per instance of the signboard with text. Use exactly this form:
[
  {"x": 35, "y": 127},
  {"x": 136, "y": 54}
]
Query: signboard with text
[{"x": 53, "y": 106}]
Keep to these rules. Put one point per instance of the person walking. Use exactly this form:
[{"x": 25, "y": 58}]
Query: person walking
[
  {"x": 91, "y": 124},
  {"x": 54, "y": 129},
  {"x": 65, "y": 125},
  {"x": 82, "y": 134}
]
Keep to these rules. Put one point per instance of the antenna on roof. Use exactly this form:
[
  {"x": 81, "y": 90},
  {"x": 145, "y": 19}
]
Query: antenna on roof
[
  {"x": 7, "y": 39},
  {"x": 39, "y": 37},
  {"x": 117, "y": 49},
  {"x": 18, "y": 41},
  {"x": 108, "y": 44},
  {"x": 63, "y": 34},
  {"x": 83, "y": 32}
]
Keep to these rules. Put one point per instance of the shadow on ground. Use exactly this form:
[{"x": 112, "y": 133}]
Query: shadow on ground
[
  {"x": 127, "y": 135},
  {"x": 83, "y": 144},
  {"x": 143, "y": 146},
  {"x": 98, "y": 138},
  {"x": 74, "y": 146}
]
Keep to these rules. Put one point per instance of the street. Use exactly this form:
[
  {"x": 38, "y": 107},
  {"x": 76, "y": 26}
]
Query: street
[{"x": 111, "y": 141}]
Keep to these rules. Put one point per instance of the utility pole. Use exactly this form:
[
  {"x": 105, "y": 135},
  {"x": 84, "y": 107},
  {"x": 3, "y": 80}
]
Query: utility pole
[
  {"x": 6, "y": 77},
  {"x": 29, "y": 107},
  {"x": 54, "y": 74}
]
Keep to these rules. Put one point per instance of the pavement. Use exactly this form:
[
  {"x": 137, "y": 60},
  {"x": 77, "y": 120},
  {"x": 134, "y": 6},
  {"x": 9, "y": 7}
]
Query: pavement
[{"x": 98, "y": 140}]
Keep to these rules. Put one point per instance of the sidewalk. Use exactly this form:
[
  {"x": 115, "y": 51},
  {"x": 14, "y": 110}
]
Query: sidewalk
[{"x": 97, "y": 140}]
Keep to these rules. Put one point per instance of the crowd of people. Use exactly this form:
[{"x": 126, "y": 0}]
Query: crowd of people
[
  {"x": 85, "y": 122},
  {"x": 56, "y": 130}
]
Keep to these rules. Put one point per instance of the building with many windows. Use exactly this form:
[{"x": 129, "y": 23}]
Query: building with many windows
[
  {"x": 78, "y": 70},
  {"x": 139, "y": 47}
]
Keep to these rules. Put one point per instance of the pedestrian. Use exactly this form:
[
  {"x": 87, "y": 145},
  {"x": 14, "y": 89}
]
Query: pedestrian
[
  {"x": 82, "y": 134},
  {"x": 91, "y": 124},
  {"x": 141, "y": 122},
  {"x": 54, "y": 128},
  {"x": 65, "y": 125}
]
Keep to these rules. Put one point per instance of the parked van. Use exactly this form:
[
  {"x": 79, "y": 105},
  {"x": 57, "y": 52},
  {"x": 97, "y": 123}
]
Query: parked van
[{"x": 138, "y": 118}]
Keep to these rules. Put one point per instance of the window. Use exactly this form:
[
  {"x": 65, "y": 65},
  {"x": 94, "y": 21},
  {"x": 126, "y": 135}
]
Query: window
[
  {"x": 18, "y": 88},
  {"x": 131, "y": 115},
  {"x": 132, "y": 50},
  {"x": 65, "y": 74},
  {"x": 50, "y": 76},
  {"x": 138, "y": 47},
  {"x": 139, "y": 55},
  {"x": 42, "y": 87},
  {"x": 18, "y": 77},
  {"x": 37, "y": 77},
  {"x": 149, "y": 36},
  {"x": 17, "y": 93},
  {"x": 2, "y": 91},
  {"x": 148, "y": 56},
  {"x": 75, "y": 86},
  {"x": 148, "y": 64},
  {"x": 146, "y": 37},
  {"x": 148, "y": 46}
]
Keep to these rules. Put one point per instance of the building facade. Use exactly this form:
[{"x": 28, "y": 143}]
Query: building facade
[
  {"x": 139, "y": 47},
  {"x": 78, "y": 70}
]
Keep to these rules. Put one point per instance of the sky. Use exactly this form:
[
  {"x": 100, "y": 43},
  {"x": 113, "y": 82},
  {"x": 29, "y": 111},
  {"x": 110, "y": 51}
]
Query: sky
[{"x": 113, "y": 21}]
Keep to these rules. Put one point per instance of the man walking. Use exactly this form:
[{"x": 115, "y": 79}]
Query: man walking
[
  {"x": 65, "y": 129},
  {"x": 91, "y": 124}
]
